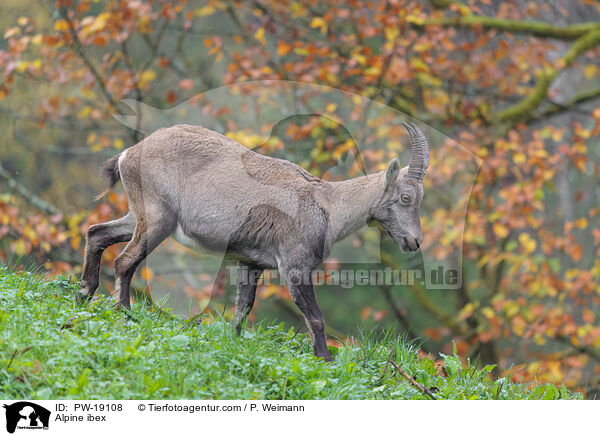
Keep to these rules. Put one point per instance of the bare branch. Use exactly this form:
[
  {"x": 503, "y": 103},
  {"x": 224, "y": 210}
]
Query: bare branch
[
  {"x": 412, "y": 381},
  {"x": 77, "y": 47},
  {"x": 30, "y": 197}
]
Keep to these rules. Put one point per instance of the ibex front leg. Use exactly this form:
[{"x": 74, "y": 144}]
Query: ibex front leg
[
  {"x": 303, "y": 294},
  {"x": 248, "y": 277},
  {"x": 99, "y": 238}
]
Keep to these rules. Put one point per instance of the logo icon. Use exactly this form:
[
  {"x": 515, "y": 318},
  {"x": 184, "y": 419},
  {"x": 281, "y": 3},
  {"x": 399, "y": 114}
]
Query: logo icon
[{"x": 26, "y": 415}]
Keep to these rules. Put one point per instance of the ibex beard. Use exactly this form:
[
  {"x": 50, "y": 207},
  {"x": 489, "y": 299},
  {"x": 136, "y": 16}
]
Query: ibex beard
[{"x": 206, "y": 190}]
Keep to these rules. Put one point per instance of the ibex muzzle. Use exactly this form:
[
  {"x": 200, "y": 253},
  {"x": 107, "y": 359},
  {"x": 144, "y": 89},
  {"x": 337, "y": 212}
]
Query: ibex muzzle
[{"x": 205, "y": 189}]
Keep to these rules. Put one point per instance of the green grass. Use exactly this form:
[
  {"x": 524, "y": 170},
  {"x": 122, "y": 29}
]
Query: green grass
[{"x": 51, "y": 348}]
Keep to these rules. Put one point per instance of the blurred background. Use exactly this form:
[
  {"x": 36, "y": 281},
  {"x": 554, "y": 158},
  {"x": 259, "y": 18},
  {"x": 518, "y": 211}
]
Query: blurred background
[{"x": 509, "y": 90}]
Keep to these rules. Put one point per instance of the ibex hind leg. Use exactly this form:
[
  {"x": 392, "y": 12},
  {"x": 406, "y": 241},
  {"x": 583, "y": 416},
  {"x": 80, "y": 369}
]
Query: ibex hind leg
[
  {"x": 99, "y": 238},
  {"x": 146, "y": 237},
  {"x": 248, "y": 277}
]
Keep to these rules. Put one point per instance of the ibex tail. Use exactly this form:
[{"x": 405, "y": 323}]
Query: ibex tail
[{"x": 110, "y": 172}]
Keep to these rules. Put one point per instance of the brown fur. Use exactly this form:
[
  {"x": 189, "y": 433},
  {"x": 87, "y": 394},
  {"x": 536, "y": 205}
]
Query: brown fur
[
  {"x": 206, "y": 189},
  {"x": 110, "y": 172}
]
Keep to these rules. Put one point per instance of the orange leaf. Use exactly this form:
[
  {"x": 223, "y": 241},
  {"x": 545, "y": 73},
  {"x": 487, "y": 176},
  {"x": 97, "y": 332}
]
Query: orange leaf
[
  {"x": 100, "y": 40},
  {"x": 146, "y": 273},
  {"x": 283, "y": 48},
  {"x": 588, "y": 316},
  {"x": 186, "y": 84},
  {"x": 171, "y": 96},
  {"x": 365, "y": 312}
]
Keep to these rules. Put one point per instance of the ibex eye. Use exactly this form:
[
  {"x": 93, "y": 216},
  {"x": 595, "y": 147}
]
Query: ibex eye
[{"x": 405, "y": 198}]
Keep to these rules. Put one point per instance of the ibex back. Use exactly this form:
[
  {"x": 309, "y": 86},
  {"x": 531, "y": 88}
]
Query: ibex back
[{"x": 205, "y": 189}]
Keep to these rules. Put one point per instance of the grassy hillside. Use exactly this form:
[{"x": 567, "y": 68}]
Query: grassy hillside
[{"x": 51, "y": 348}]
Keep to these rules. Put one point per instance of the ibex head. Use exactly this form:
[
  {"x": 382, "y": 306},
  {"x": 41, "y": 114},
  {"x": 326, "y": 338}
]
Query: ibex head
[{"x": 398, "y": 209}]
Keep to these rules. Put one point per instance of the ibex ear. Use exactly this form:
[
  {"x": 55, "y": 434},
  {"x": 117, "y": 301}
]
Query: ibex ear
[{"x": 391, "y": 174}]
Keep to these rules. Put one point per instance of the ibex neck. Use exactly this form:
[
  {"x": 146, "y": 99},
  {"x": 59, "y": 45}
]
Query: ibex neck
[{"x": 351, "y": 202}]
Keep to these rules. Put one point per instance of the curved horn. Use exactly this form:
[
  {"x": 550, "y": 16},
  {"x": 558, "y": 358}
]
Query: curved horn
[{"x": 419, "y": 154}]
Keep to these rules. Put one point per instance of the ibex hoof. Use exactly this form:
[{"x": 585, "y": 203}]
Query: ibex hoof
[
  {"x": 325, "y": 356},
  {"x": 83, "y": 296},
  {"x": 121, "y": 306}
]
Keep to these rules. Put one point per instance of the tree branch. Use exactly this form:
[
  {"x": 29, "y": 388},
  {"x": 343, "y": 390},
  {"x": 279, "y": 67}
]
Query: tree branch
[
  {"x": 441, "y": 4},
  {"x": 582, "y": 348},
  {"x": 536, "y": 28},
  {"x": 579, "y": 98},
  {"x": 30, "y": 197},
  {"x": 419, "y": 293},
  {"x": 412, "y": 381},
  {"x": 77, "y": 47},
  {"x": 387, "y": 294},
  {"x": 525, "y": 107}
]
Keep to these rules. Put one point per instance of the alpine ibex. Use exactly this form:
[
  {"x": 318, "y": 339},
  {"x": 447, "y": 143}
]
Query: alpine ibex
[{"x": 207, "y": 190}]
